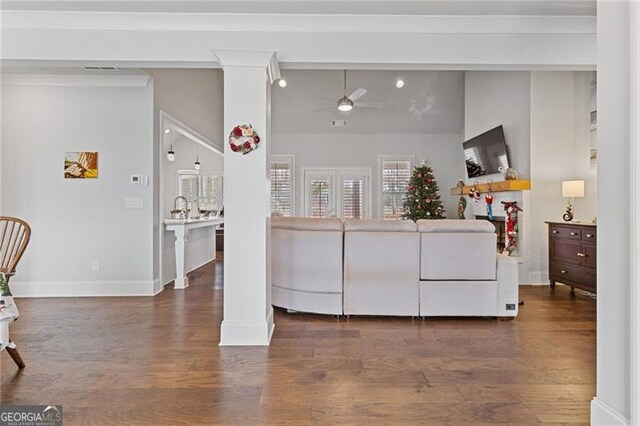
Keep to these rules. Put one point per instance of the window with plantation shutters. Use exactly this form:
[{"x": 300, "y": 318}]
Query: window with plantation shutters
[
  {"x": 352, "y": 199},
  {"x": 396, "y": 174},
  {"x": 207, "y": 189},
  {"x": 320, "y": 192},
  {"x": 281, "y": 174},
  {"x": 337, "y": 192}
]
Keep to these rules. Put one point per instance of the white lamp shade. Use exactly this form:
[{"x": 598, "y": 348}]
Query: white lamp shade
[{"x": 573, "y": 188}]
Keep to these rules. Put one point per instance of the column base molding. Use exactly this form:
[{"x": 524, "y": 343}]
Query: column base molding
[
  {"x": 602, "y": 414},
  {"x": 247, "y": 333}
]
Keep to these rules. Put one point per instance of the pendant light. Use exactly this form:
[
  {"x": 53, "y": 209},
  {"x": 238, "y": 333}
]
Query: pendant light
[
  {"x": 171, "y": 156},
  {"x": 196, "y": 165}
]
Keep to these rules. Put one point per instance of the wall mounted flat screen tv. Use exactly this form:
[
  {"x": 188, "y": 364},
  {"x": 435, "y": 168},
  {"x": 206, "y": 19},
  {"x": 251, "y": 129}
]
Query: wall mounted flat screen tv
[{"x": 486, "y": 154}]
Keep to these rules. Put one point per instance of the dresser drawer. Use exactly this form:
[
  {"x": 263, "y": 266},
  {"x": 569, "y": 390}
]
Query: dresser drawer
[
  {"x": 567, "y": 274},
  {"x": 557, "y": 231},
  {"x": 589, "y": 235}
]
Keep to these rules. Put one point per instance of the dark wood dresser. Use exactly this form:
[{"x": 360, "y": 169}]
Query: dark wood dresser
[{"x": 572, "y": 255}]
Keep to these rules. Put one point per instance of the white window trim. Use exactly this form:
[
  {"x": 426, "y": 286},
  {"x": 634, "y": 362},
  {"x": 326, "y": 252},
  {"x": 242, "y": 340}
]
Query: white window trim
[
  {"x": 291, "y": 159},
  {"x": 381, "y": 158},
  {"x": 338, "y": 172}
]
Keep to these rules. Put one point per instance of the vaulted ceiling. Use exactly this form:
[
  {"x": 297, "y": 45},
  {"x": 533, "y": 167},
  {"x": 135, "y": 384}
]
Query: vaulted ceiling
[{"x": 430, "y": 102}]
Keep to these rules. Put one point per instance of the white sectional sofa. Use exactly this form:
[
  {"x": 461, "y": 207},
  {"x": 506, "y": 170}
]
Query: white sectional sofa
[
  {"x": 381, "y": 261},
  {"x": 375, "y": 267},
  {"x": 306, "y": 264}
]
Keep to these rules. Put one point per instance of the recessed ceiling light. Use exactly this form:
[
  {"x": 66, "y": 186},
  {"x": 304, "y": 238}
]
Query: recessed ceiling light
[
  {"x": 167, "y": 131},
  {"x": 399, "y": 83},
  {"x": 282, "y": 82}
]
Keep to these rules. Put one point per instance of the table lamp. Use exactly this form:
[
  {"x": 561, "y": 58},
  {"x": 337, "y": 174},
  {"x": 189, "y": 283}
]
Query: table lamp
[{"x": 571, "y": 189}]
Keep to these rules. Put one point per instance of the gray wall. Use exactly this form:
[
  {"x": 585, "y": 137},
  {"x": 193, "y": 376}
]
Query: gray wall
[
  {"x": 500, "y": 97},
  {"x": 76, "y": 222},
  {"x": 442, "y": 153}
]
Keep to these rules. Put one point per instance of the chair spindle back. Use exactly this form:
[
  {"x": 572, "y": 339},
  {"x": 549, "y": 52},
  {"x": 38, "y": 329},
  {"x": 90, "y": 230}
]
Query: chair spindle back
[{"x": 14, "y": 237}]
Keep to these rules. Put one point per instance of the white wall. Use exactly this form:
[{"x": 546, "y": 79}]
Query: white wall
[
  {"x": 500, "y": 97},
  {"x": 194, "y": 97},
  {"x": 200, "y": 245},
  {"x": 553, "y": 158},
  {"x": 613, "y": 401},
  {"x": 442, "y": 153},
  {"x": 76, "y": 222}
]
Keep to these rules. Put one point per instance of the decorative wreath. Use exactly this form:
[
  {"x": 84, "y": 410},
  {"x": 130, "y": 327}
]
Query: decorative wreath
[{"x": 243, "y": 139}]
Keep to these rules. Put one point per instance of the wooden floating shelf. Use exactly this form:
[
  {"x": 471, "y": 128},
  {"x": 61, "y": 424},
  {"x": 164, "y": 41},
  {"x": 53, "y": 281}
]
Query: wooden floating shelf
[{"x": 500, "y": 186}]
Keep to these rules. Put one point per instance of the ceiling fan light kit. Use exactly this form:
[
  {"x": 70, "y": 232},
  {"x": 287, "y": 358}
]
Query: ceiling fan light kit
[{"x": 345, "y": 104}]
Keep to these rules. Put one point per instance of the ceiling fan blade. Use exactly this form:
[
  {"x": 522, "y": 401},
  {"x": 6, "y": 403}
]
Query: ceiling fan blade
[
  {"x": 323, "y": 109},
  {"x": 357, "y": 94},
  {"x": 368, "y": 104},
  {"x": 326, "y": 98}
]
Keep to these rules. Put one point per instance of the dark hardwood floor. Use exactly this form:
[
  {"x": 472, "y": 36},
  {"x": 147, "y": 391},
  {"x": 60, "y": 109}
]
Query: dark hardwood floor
[{"x": 156, "y": 361}]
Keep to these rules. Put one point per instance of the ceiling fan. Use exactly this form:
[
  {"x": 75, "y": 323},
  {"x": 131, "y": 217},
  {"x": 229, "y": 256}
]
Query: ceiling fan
[{"x": 346, "y": 103}]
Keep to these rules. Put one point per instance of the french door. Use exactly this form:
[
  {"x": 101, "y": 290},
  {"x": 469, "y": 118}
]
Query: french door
[{"x": 337, "y": 192}]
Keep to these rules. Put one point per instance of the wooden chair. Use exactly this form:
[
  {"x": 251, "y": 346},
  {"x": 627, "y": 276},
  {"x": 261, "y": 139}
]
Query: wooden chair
[{"x": 14, "y": 238}]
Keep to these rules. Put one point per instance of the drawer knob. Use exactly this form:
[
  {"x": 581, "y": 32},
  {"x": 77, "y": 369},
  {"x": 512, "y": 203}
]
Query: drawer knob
[
  {"x": 589, "y": 236},
  {"x": 563, "y": 272},
  {"x": 574, "y": 233},
  {"x": 554, "y": 232},
  {"x": 581, "y": 254}
]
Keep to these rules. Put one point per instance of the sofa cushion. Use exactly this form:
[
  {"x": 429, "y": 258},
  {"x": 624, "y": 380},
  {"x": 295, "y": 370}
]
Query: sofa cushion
[
  {"x": 458, "y": 256},
  {"x": 307, "y": 223},
  {"x": 455, "y": 226},
  {"x": 377, "y": 225}
]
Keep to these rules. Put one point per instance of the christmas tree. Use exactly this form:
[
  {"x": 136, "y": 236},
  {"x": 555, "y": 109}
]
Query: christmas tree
[{"x": 422, "y": 200}]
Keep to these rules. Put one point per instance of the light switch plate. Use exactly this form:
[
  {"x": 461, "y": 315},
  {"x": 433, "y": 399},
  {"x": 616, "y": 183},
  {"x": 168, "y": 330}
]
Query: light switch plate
[
  {"x": 133, "y": 203},
  {"x": 137, "y": 179}
]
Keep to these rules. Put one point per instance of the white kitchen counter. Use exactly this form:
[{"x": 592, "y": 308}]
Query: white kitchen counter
[{"x": 181, "y": 228}]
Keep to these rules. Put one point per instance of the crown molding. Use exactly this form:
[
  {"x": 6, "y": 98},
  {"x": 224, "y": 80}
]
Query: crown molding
[
  {"x": 250, "y": 58},
  {"x": 300, "y": 23},
  {"x": 75, "y": 80}
]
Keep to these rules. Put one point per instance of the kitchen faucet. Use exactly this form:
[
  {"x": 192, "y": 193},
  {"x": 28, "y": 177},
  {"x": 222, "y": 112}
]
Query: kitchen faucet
[{"x": 186, "y": 204}]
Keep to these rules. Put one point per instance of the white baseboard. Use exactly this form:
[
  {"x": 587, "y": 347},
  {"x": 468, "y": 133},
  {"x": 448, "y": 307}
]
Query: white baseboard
[
  {"x": 603, "y": 415},
  {"x": 157, "y": 288},
  {"x": 539, "y": 278},
  {"x": 84, "y": 288}
]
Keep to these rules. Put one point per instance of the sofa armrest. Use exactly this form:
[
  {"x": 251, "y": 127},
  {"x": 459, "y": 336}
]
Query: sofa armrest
[{"x": 507, "y": 276}]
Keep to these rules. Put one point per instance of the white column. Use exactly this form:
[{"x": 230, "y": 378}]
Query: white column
[{"x": 248, "y": 315}]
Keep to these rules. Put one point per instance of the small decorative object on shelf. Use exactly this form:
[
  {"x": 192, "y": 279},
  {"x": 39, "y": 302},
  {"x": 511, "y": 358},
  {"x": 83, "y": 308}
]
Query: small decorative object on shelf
[
  {"x": 462, "y": 202},
  {"x": 509, "y": 173},
  {"x": 243, "y": 139},
  {"x": 512, "y": 209},
  {"x": 422, "y": 200}
]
